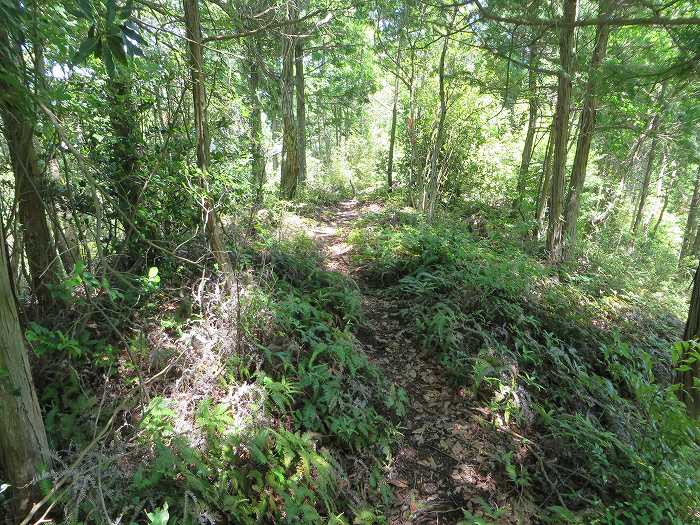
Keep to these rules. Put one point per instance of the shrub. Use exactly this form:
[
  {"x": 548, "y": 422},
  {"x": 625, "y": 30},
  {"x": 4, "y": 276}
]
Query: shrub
[{"x": 556, "y": 351}]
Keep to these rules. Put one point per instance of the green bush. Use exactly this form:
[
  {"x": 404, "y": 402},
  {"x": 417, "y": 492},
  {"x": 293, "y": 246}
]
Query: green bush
[
  {"x": 558, "y": 351},
  {"x": 340, "y": 392}
]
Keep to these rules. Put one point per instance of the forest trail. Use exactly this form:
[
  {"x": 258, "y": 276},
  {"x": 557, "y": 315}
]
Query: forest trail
[{"x": 449, "y": 452}]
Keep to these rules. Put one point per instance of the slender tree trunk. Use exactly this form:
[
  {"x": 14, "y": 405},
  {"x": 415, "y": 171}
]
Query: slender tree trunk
[
  {"x": 689, "y": 393},
  {"x": 667, "y": 192},
  {"x": 24, "y": 448},
  {"x": 613, "y": 199},
  {"x": 392, "y": 139},
  {"x": 257, "y": 164},
  {"x": 586, "y": 129},
  {"x": 411, "y": 131},
  {"x": 289, "y": 177},
  {"x": 695, "y": 249},
  {"x": 604, "y": 188},
  {"x": 301, "y": 107},
  {"x": 431, "y": 189},
  {"x": 30, "y": 182},
  {"x": 691, "y": 238},
  {"x": 659, "y": 189},
  {"x": 392, "y": 134},
  {"x": 644, "y": 192},
  {"x": 628, "y": 165},
  {"x": 545, "y": 187},
  {"x": 125, "y": 150},
  {"x": 555, "y": 239},
  {"x": 275, "y": 132},
  {"x": 531, "y": 127},
  {"x": 65, "y": 252},
  {"x": 691, "y": 221},
  {"x": 214, "y": 233}
]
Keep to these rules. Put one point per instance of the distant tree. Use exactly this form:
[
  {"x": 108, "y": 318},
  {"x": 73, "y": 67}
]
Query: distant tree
[{"x": 30, "y": 181}]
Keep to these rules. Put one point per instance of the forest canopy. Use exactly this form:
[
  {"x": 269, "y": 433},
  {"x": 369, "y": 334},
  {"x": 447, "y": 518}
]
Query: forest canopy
[{"x": 325, "y": 262}]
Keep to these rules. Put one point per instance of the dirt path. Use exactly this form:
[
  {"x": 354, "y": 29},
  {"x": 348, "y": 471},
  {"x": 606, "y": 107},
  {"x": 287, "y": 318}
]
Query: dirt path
[{"x": 448, "y": 456}]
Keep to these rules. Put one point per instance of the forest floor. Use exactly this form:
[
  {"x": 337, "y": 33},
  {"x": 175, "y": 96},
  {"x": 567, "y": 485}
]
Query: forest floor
[{"x": 446, "y": 461}]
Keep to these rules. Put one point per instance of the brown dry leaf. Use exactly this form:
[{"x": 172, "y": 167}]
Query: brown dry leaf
[{"x": 400, "y": 483}]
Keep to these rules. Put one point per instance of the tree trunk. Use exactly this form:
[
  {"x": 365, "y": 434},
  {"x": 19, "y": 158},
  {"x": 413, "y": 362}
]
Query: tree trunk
[
  {"x": 689, "y": 393},
  {"x": 644, "y": 192},
  {"x": 392, "y": 134},
  {"x": 531, "y": 127},
  {"x": 695, "y": 249},
  {"x": 214, "y": 233},
  {"x": 30, "y": 182},
  {"x": 555, "y": 239},
  {"x": 664, "y": 204},
  {"x": 693, "y": 236},
  {"x": 275, "y": 132},
  {"x": 289, "y": 177},
  {"x": 691, "y": 222},
  {"x": 301, "y": 107},
  {"x": 257, "y": 158},
  {"x": 24, "y": 448},
  {"x": 628, "y": 165},
  {"x": 545, "y": 186},
  {"x": 125, "y": 150},
  {"x": 613, "y": 199},
  {"x": 586, "y": 129},
  {"x": 430, "y": 191},
  {"x": 67, "y": 247}
]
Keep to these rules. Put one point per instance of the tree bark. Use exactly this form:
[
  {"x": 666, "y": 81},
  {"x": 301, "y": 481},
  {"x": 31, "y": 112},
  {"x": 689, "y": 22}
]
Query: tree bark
[
  {"x": 664, "y": 204},
  {"x": 644, "y": 192},
  {"x": 275, "y": 132},
  {"x": 125, "y": 148},
  {"x": 215, "y": 235},
  {"x": 30, "y": 181},
  {"x": 531, "y": 127},
  {"x": 691, "y": 239},
  {"x": 689, "y": 393},
  {"x": 289, "y": 177},
  {"x": 66, "y": 242},
  {"x": 301, "y": 107},
  {"x": 555, "y": 239},
  {"x": 24, "y": 449},
  {"x": 126, "y": 151},
  {"x": 628, "y": 165},
  {"x": 691, "y": 222},
  {"x": 586, "y": 129},
  {"x": 430, "y": 190},
  {"x": 392, "y": 134},
  {"x": 257, "y": 158},
  {"x": 545, "y": 186}
]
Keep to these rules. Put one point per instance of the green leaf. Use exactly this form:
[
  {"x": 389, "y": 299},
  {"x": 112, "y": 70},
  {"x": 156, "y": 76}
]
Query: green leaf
[
  {"x": 159, "y": 516},
  {"x": 111, "y": 12},
  {"x": 85, "y": 9},
  {"x": 116, "y": 48},
  {"x": 86, "y": 48},
  {"x": 125, "y": 12},
  {"x": 108, "y": 61}
]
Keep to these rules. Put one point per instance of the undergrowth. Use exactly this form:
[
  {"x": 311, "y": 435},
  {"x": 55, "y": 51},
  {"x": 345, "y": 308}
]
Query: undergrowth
[
  {"x": 257, "y": 421},
  {"x": 577, "y": 360},
  {"x": 319, "y": 400}
]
